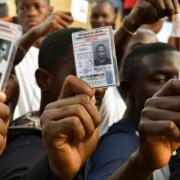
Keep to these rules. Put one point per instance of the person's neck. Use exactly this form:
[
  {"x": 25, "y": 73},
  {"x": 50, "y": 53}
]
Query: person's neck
[
  {"x": 45, "y": 100},
  {"x": 131, "y": 112},
  {"x": 43, "y": 104}
]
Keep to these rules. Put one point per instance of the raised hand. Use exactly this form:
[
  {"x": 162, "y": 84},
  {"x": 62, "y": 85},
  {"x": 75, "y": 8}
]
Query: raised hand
[
  {"x": 69, "y": 128},
  {"x": 160, "y": 126}
]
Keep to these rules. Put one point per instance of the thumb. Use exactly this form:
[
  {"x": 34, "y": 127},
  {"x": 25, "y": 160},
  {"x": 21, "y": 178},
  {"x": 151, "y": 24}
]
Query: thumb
[
  {"x": 2, "y": 96},
  {"x": 74, "y": 86}
]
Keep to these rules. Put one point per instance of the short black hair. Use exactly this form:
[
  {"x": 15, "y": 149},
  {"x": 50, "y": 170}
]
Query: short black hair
[
  {"x": 56, "y": 47},
  {"x": 133, "y": 61}
]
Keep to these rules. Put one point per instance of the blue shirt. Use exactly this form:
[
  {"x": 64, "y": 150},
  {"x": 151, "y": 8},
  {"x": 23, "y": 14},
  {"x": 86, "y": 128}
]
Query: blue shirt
[{"x": 113, "y": 150}]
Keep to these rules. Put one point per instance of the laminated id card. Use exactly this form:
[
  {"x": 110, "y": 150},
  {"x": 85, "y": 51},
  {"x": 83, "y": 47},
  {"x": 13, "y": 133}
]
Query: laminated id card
[
  {"x": 79, "y": 10},
  {"x": 10, "y": 35},
  {"x": 95, "y": 57}
]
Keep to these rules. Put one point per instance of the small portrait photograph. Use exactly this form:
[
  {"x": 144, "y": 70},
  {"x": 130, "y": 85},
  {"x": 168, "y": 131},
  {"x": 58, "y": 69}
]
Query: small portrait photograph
[
  {"x": 101, "y": 51},
  {"x": 5, "y": 46}
]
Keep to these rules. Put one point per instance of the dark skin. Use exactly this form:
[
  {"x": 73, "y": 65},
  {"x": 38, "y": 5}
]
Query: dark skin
[
  {"x": 76, "y": 107},
  {"x": 102, "y": 15},
  {"x": 74, "y": 134},
  {"x": 32, "y": 12},
  {"x": 12, "y": 94},
  {"x": 38, "y": 20},
  {"x": 143, "y": 36},
  {"x": 72, "y": 118},
  {"x": 155, "y": 71},
  {"x": 159, "y": 134},
  {"x": 51, "y": 83},
  {"x": 144, "y": 12},
  {"x": 69, "y": 125}
]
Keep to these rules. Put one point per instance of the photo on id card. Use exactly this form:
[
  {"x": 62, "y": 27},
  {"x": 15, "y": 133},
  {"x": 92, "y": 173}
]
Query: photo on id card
[
  {"x": 5, "y": 52},
  {"x": 95, "y": 57},
  {"x": 9, "y": 38}
]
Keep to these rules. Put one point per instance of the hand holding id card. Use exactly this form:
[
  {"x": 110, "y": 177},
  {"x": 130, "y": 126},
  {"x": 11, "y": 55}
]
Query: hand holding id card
[
  {"x": 10, "y": 35},
  {"x": 95, "y": 57}
]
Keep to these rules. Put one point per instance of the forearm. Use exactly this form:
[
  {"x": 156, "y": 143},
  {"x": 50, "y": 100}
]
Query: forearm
[
  {"x": 134, "y": 168},
  {"x": 122, "y": 37},
  {"x": 27, "y": 40}
]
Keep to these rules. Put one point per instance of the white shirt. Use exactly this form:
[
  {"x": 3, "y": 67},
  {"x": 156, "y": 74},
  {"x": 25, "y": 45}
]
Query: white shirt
[
  {"x": 165, "y": 32},
  {"x": 111, "y": 110},
  {"x": 29, "y": 99}
]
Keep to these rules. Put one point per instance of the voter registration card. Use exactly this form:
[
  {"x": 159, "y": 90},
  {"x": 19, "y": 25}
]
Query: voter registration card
[
  {"x": 95, "y": 57},
  {"x": 10, "y": 35}
]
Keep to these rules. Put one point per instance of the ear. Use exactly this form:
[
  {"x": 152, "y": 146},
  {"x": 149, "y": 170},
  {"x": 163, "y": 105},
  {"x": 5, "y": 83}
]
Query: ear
[
  {"x": 43, "y": 79},
  {"x": 126, "y": 89}
]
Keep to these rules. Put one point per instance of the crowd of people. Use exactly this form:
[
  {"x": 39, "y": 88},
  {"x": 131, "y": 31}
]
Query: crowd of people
[{"x": 53, "y": 125}]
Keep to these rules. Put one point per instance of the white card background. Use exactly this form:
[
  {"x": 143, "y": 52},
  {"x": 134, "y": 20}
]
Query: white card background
[{"x": 79, "y": 10}]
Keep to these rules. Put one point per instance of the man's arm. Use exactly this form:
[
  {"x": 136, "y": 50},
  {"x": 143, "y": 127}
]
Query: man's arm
[
  {"x": 159, "y": 135},
  {"x": 69, "y": 128},
  {"x": 144, "y": 12},
  {"x": 57, "y": 20}
]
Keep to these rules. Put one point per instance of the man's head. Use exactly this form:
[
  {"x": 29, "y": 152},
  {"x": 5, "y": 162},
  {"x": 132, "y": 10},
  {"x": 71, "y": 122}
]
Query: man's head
[
  {"x": 146, "y": 69},
  {"x": 143, "y": 36},
  {"x": 56, "y": 62},
  {"x": 4, "y": 48},
  {"x": 101, "y": 52},
  {"x": 32, "y": 12},
  {"x": 103, "y": 14}
]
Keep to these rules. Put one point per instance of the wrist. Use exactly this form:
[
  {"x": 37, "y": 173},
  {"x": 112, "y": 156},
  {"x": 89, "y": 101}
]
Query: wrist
[
  {"x": 131, "y": 23},
  {"x": 58, "y": 172},
  {"x": 34, "y": 32},
  {"x": 137, "y": 160}
]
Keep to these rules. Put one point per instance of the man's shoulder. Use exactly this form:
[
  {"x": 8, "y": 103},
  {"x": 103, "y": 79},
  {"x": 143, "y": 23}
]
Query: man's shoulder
[
  {"x": 123, "y": 133},
  {"x": 113, "y": 149}
]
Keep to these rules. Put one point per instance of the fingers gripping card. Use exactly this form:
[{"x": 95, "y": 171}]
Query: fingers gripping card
[{"x": 95, "y": 57}]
